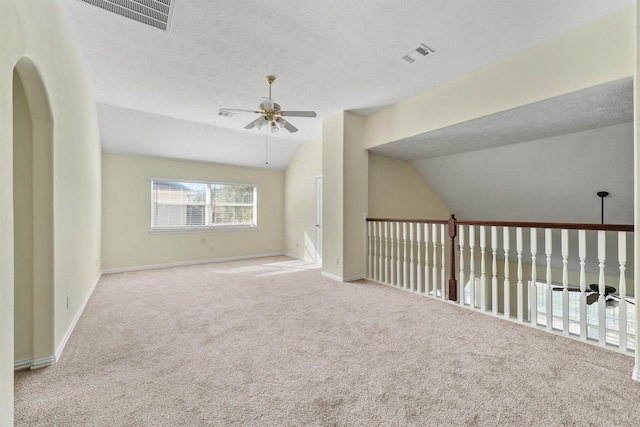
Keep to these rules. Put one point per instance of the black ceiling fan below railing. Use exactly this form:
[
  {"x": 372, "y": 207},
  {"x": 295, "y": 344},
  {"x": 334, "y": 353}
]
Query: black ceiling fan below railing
[
  {"x": 593, "y": 294},
  {"x": 270, "y": 113}
]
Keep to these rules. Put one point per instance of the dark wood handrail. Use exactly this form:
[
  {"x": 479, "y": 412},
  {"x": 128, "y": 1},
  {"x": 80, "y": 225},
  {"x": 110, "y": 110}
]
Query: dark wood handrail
[
  {"x": 553, "y": 225},
  {"x": 420, "y": 221},
  {"x": 453, "y": 224}
]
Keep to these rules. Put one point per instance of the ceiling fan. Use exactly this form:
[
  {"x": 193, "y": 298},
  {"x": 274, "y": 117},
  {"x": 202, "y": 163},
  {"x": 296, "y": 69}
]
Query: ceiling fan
[
  {"x": 270, "y": 113},
  {"x": 593, "y": 294}
]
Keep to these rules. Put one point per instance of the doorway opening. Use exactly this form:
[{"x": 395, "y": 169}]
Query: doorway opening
[{"x": 32, "y": 219}]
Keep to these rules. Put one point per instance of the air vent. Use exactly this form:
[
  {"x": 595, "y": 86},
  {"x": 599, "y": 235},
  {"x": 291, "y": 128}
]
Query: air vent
[
  {"x": 409, "y": 59},
  {"x": 417, "y": 53},
  {"x": 424, "y": 50},
  {"x": 155, "y": 13}
]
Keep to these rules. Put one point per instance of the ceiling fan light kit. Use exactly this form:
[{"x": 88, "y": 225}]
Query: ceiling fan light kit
[{"x": 270, "y": 113}]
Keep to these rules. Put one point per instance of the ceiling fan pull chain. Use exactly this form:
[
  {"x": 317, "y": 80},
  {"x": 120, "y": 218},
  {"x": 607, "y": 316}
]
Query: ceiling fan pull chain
[{"x": 266, "y": 145}]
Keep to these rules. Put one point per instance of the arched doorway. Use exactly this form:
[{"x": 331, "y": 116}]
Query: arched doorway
[{"x": 33, "y": 219}]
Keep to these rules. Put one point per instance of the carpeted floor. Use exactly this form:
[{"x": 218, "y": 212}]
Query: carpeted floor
[{"x": 270, "y": 342}]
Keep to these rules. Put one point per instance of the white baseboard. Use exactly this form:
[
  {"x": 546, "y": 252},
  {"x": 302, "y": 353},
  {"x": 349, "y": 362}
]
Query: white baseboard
[
  {"x": 22, "y": 364},
  {"x": 50, "y": 360},
  {"x": 72, "y": 326},
  {"x": 44, "y": 362},
  {"x": 186, "y": 263}
]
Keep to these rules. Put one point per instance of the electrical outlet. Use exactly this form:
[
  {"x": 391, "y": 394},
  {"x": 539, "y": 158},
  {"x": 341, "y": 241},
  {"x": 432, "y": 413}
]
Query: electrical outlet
[{"x": 337, "y": 261}]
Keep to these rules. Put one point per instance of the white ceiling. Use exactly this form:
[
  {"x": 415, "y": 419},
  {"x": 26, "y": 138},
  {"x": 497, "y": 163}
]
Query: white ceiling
[
  {"x": 596, "y": 107},
  {"x": 550, "y": 180},
  {"x": 328, "y": 56}
]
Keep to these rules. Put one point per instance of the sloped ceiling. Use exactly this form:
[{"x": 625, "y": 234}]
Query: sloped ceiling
[
  {"x": 540, "y": 162},
  {"x": 551, "y": 180},
  {"x": 328, "y": 56}
]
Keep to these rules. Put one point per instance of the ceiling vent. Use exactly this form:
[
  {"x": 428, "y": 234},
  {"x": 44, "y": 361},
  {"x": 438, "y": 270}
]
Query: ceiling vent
[
  {"x": 155, "y": 13},
  {"x": 417, "y": 53}
]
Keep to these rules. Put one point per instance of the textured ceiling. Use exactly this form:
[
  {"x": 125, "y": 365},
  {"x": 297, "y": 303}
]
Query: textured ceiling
[
  {"x": 328, "y": 56},
  {"x": 596, "y": 107}
]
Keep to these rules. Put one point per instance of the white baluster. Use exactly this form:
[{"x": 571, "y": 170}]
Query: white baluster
[
  {"x": 405, "y": 264},
  {"x": 370, "y": 276},
  {"x": 494, "y": 270},
  {"x": 472, "y": 272},
  {"x": 533, "y": 289},
  {"x": 380, "y": 259},
  {"x": 385, "y": 267},
  {"x": 398, "y": 256},
  {"x": 582, "y": 254},
  {"x": 443, "y": 273},
  {"x": 392, "y": 258},
  {"x": 419, "y": 264},
  {"x": 548, "y": 253},
  {"x": 483, "y": 276},
  {"x": 375, "y": 251},
  {"x": 602, "y": 303},
  {"x": 519, "y": 285},
  {"x": 434, "y": 235},
  {"x": 622, "y": 285},
  {"x": 427, "y": 271},
  {"x": 565, "y": 280},
  {"x": 461, "y": 275},
  {"x": 507, "y": 282},
  {"x": 412, "y": 278}
]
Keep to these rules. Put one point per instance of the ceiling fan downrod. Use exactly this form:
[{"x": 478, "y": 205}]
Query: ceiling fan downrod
[
  {"x": 602, "y": 195},
  {"x": 270, "y": 80}
]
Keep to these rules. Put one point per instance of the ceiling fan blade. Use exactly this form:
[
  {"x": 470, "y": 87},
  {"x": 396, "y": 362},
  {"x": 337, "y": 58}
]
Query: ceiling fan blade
[
  {"x": 591, "y": 298},
  {"x": 285, "y": 124},
  {"x": 267, "y": 103},
  {"x": 259, "y": 122},
  {"x": 299, "y": 113},
  {"x": 607, "y": 289},
  {"x": 618, "y": 298},
  {"x": 235, "y": 110},
  {"x": 560, "y": 288}
]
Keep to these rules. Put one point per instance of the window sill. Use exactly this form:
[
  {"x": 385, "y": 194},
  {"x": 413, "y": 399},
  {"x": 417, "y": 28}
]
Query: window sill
[{"x": 187, "y": 230}]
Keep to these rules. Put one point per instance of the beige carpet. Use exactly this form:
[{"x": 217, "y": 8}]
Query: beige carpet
[{"x": 269, "y": 342}]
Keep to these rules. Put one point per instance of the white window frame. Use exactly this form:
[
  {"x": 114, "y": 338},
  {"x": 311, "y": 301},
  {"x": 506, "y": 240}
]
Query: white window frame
[{"x": 209, "y": 227}]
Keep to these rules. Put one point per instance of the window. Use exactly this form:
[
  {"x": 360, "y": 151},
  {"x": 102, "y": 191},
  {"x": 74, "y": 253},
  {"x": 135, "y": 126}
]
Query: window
[
  {"x": 192, "y": 206},
  {"x": 612, "y": 316}
]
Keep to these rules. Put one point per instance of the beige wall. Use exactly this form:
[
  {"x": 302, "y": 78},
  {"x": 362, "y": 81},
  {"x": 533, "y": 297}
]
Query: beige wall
[
  {"x": 345, "y": 179},
  {"x": 23, "y": 222},
  {"x": 332, "y": 194},
  {"x": 299, "y": 201},
  {"x": 356, "y": 178},
  {"x": 67, "y": 125},
  {"x": 396, "y": 190},
  {"x": 126, "y": 190},
  {"x": 559, "y": 66}
]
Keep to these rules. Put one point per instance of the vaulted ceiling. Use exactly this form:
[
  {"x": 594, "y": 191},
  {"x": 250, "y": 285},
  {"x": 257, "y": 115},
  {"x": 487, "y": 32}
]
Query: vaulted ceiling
[{"x": 158, "y": 92}]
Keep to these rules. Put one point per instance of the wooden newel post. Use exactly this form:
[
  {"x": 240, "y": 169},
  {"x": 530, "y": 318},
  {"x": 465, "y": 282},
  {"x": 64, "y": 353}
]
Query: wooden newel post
[{"x": 453, "y": 283}]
